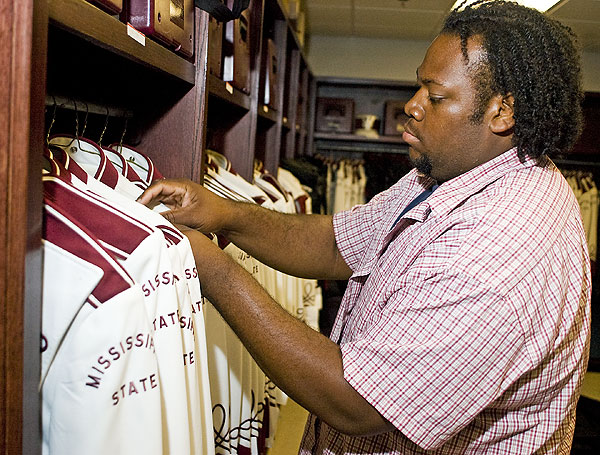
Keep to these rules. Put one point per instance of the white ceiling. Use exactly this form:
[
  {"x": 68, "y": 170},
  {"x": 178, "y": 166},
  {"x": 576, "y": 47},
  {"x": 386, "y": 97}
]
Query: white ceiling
[{"x": 422, "y": 19}]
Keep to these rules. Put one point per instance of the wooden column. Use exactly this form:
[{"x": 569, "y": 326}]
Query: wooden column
[{"x": 23, "y": 32}]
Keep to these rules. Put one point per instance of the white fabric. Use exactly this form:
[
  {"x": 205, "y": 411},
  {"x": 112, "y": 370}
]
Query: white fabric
[
  {"x": 101, "y": 392},
  {"x": 178, "y": 322}
]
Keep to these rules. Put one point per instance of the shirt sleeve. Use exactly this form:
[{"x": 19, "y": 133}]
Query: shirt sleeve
[
  {"x": 442, "y": 351},
  {"x": 354, "y": 228}
]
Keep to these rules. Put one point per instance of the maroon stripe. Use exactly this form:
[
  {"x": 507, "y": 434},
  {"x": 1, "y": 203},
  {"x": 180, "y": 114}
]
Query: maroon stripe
[
  {"x": 114, "y": 156},
  {"x": 153, "y": 172},
  {"x": 82, "y": 244},
  {"x": 126, "y": 170},
  {"x": 107, "y": 172},
  {"x": 171, "y": 234},
  {"x": 115, "y": 229},
  {"x": 133, "y": 176},
  {"x": 269, "y": 178},
  {"x": 62, "y": 157}
]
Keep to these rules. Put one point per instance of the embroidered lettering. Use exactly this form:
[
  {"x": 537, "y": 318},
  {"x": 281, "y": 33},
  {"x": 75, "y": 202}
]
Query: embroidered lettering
[
  {"x": 115, "y": 353},
  {"x": 134, "y": 387}
]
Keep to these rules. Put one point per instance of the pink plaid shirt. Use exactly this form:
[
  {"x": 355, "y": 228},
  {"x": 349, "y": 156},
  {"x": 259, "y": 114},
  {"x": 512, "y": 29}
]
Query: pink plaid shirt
[{"x": 466, "y": 325}]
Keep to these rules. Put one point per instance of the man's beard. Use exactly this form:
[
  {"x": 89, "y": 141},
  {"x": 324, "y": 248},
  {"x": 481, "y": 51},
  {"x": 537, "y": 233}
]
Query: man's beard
[{"x": 423, "y": 165}]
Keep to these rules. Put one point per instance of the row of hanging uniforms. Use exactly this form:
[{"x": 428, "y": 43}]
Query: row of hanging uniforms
[
  {"x": 124, "y": 356},
  {"x": 261, "y": 399},
  {"x": 585, "y": 190},
  {"x": 133, "y": 359},
  {"x": 346, "y": 183}
]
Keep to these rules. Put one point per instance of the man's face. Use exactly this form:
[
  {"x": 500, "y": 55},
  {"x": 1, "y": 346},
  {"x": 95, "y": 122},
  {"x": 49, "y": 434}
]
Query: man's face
[{"x": 443, "y": 139}]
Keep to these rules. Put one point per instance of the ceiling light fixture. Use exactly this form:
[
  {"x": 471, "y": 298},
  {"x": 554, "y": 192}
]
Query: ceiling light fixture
[{"x": 540, "y": 5}]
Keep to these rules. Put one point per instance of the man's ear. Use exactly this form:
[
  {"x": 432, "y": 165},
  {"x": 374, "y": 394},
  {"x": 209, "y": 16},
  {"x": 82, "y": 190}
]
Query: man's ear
[{"x": 502, "y": 110}]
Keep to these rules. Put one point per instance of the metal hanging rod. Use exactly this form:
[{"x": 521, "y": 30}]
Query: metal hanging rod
[
  {"x": 360, "y": 149},
  {"x": 581, "y": 163},
  {"x": 62, "y": 102}
]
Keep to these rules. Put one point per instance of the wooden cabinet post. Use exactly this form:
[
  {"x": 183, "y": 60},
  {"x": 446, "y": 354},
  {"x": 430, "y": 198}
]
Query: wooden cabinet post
[{"x": 22, "y": 70}]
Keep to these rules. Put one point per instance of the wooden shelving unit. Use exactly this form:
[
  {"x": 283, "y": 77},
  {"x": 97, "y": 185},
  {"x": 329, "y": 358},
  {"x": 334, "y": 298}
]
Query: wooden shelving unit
[
  {"x": 72, "y": 49},
  {"x": 243, "y": 126}
]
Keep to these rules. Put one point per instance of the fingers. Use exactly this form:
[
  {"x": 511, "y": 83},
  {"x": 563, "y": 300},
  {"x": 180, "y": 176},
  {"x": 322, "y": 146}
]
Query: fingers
[
  {"x": 169, "y": 192},
  {"x": 189, "y": 203},
  {"x": 183, "y": 216}
]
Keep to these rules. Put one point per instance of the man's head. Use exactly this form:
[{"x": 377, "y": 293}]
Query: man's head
[{"x": 520, "y": 72}]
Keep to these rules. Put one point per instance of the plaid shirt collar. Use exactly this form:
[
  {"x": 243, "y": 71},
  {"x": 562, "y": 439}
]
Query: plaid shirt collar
[{"x": 454, "y": 192}]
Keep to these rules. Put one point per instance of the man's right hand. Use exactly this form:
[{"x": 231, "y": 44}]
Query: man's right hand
[
  {"x": 190, "y": 204},
  {"x": 299, "y": 245}
]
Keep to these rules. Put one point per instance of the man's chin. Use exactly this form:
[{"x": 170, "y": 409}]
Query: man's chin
[{"x": 421, "y": 162}]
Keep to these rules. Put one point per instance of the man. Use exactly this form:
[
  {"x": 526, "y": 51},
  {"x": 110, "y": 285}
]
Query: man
[{"x": 465, "y": 325}]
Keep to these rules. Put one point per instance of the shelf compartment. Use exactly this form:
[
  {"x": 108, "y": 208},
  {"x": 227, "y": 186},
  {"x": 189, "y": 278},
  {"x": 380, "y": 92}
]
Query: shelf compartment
[
  {"x": 94, "y": 25},
  {"x": 266, "y": 112},
  {"x": 227, "y": 92}
]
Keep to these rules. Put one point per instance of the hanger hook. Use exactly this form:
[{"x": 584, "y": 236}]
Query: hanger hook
[
  {"x": 123, "y": 136},
  {"x": 104, "y": 128},
  {"x": 76, "y": 125},
  {"x": 87, "y": 111},
  {"x": 51, "y": 121}
]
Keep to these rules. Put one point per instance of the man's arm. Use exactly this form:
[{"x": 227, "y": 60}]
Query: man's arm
[
  {"x": 299, "y": 245},
  {"x": 303, "y": 363}
]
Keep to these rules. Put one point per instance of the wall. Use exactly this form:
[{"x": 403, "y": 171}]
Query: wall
[{"x": 370, "y": 58}]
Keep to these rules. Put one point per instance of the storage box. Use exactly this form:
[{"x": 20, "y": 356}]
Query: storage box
[
  {"x": 169, "y": 21},
  {"x": 271, "y": 82},
  {"x": 300, "y": 27},
  {"x": 182, "y": 19},
  {"x": 215, "y": 47},
  {"x": 294, "y": 8},
  {"x": 110, "y": 6},
  {"x": 395, "y": 118},
  {"x": 335, "y": 115},
  {"x": 236, "y": 48}
]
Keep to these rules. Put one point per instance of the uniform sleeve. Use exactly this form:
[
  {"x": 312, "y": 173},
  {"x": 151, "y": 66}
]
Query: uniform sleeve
[{"x": 442, "y": 351}]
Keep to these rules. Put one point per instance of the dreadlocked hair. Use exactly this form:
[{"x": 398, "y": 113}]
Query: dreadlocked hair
[{"x": 534, "y": 58}]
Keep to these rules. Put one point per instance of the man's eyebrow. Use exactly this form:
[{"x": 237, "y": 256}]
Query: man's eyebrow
[{"x": 427, "y": 81}]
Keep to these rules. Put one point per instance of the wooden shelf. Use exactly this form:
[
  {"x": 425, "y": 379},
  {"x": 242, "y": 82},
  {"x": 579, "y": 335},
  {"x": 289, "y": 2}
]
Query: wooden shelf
[
  {"x": 358, "y": 138},
  {"x": 366, "y": 83},
  {"x": 267, "y": 112},
  {"x": 227, "y": 92},
  {"x": 106, "y": 31}
]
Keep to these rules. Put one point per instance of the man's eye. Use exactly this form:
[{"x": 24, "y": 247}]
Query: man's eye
[{"x": 435, "y": 99}]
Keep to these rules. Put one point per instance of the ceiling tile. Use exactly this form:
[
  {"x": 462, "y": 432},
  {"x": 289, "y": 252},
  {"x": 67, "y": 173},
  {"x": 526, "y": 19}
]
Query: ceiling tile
[
  {"x": 326, "y": 20},
  {"x": 587, "y": 32},
  {"x": 333, "y": 16},
  {"x": 421, "y": 19},
  {"x": 369, "y": 16},
  {"x": 579, "y": 9},
  {"x": 335, "y": 29},
  {"x": 323, "y": 3},
  {"x": 402, "y": 33},
  {"x": 426, "y": 5}
]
